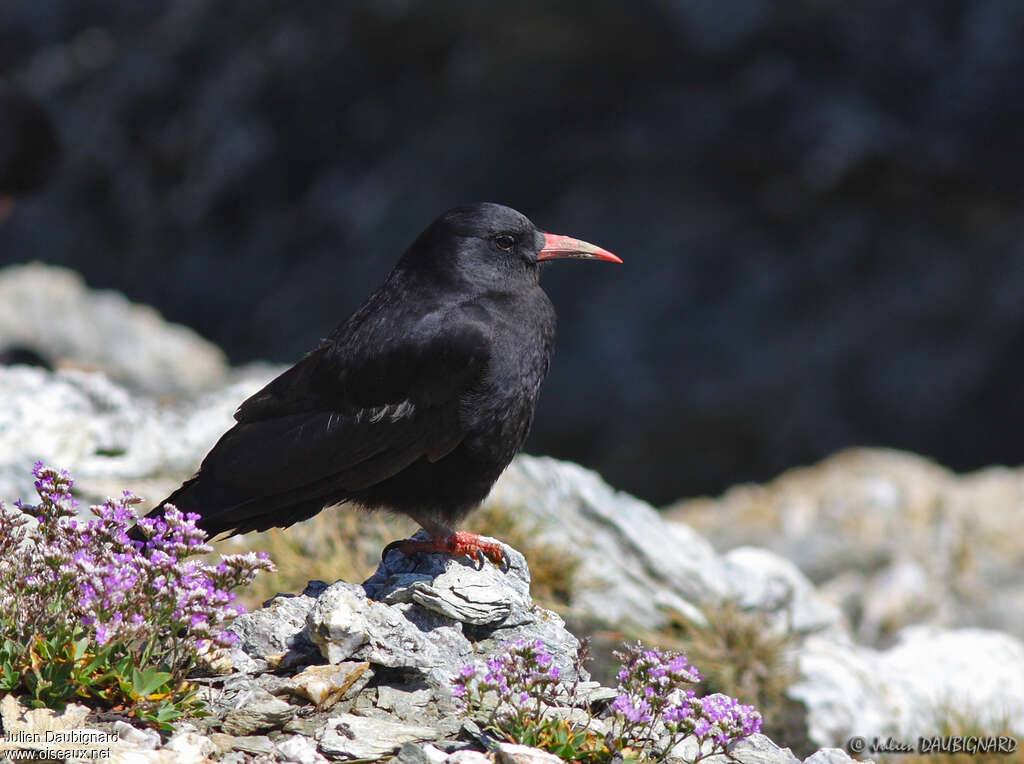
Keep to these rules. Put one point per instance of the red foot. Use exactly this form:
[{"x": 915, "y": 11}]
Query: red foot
[{"x": 458, "y": 544}]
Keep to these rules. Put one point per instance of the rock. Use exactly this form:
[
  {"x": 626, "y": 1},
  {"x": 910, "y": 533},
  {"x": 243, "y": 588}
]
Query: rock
[
  {"x": 909, "y": 690},
  {"x": 18, "y": 718},
  {"x": 301, "y": 750},
  {"x": 893, "y": 536},
  {"x": 355, "y": 737},
  {"x": 833, "y": 756},
  {"x": 460, "y": 589},
  {"x": 756, "y": 749},
  {"x": 403, "y": 703},
  {"x": 98, "y": 329},
  {"x": 415, "y": 753},
  {"x": 256, "y": 710},
  {"x": 143, "y": 739},
  {"x": 511, "y": 753},
  {"x": 326, "y": 685},
  {"x": 766, "y": 582},
  {"x": 277, "y": 631},
  {"x": 634, "y": 565},
  {"x": 190, "y": 747},
  {"x": 257, "y": 744},
  {"x": 105, "y": 436},
  {"x": 346, "y": 624},
  {"x": 468, "y": 757}
]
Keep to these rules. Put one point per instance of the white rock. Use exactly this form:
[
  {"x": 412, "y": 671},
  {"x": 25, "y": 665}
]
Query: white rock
[
  {"x": 834, "y": 756},
  {"x": 468, "y": 757},
  {"x": 190, "y": 747},
  {"x": 510, "y": 753},
  {"x": 904, "y": 691},
  {"x": 300, "y": 749},
  {"x": 765, "y": 581},
  {"x": 144, "y": 739},
  {"x": 107, "y": 438},
  {"x": 359, "y": 737}
]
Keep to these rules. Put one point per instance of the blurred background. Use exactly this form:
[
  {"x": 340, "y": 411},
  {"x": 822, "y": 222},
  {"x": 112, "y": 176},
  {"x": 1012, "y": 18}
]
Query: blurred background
[{"x": 819, "y": 203}]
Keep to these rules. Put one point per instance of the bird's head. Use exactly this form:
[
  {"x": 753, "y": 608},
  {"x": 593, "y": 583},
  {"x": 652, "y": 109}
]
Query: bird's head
[{"x": 489, "y": 244}]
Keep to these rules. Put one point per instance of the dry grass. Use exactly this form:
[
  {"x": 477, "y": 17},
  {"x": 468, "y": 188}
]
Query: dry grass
[{"x": 741, "y": 655}]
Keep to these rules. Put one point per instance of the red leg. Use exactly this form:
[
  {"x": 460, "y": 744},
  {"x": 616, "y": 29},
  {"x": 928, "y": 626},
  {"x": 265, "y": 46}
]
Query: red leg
[{"x": 447, "y": 541}]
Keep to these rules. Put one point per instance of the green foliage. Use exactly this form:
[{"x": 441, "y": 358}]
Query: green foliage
[
  {"x": 61, "y": 667},
  {"x": 89, "y": 615}
]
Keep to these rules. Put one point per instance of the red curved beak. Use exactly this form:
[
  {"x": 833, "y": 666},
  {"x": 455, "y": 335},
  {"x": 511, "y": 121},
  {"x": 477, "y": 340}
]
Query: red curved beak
[{"x": 557, "y": 247}]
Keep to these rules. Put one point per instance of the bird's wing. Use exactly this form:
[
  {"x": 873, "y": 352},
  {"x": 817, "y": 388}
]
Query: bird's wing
[{"x": 347, "y": 416}]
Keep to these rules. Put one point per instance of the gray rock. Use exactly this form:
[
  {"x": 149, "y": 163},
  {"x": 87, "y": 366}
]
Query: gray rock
[
  {"x": 891, "y": 536},
  {"x": 75, "y": 324},
  {"x": 546, "y": 626},
  {"x": 355, "y": 737},
  {"x": 633, "y": 565},
  {"x": 256, "y": 710},
  {"x": 347, "y": 625},
  {"x": 510, "y": 753},
  {"x": 258, "y": 744},
  {"x": 461, "y": 589},
  {"x": 403, "y": 703},
  {"x": 416, "y": 753},
  {"x": 756, "y": 749},
  {"x": 277, "y": 630}
]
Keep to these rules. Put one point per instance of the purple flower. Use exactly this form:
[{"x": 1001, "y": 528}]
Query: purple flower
[{"x": 624, "y": 706}]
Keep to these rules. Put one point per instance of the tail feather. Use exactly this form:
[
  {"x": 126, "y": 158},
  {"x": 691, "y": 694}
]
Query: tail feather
[{"x": 253, "y": 514}]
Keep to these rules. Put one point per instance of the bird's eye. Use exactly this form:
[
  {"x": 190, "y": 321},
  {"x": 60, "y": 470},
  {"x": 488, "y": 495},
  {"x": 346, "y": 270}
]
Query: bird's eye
[{"x": 505, "y": 242}]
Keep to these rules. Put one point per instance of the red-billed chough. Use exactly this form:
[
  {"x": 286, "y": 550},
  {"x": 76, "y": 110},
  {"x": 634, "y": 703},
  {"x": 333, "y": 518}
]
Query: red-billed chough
[{"x": 416, "y": 403}]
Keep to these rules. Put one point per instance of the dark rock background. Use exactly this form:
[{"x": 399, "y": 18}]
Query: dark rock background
[{"x": 818, "y": 203}]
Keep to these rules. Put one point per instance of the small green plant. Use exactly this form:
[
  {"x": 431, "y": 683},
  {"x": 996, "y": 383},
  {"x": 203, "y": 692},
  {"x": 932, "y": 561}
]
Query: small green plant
[
  {"x": 87, "y": 613},
  {"x": 513, "y": 693}
]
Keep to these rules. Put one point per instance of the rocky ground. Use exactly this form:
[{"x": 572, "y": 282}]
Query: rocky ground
[{"x": 878, "y": 587}]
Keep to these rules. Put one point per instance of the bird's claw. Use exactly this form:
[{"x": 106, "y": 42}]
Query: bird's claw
[{"x": 458, "y": 544}]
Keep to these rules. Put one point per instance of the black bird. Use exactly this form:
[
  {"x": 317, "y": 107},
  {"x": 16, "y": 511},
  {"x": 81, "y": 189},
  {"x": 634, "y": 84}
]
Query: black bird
[{"x": 416, "y": 403}]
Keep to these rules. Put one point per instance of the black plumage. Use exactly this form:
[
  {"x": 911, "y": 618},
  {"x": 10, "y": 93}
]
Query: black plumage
[{"x": 416, "y": 403}]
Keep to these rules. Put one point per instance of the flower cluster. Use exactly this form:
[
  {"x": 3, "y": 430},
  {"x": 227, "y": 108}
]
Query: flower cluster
[
  {"x": 655, "y": 708},
  {"x": 514, "y": 684},
  {"x": 654, "y": 703},
  {"x": 93, "y": 579}
]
